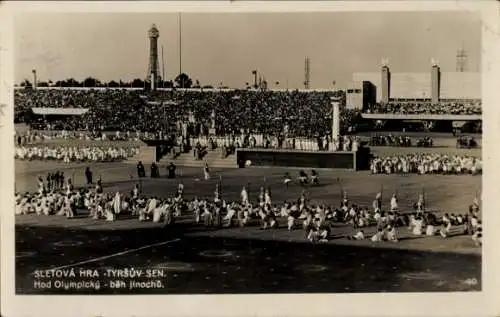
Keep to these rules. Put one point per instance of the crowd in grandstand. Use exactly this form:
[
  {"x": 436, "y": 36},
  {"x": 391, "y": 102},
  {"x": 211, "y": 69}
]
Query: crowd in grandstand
[
  {"x": 426, "y": 164},
  {"x": 400, "y": 141},
  {"x": 294, "y": 113},
  {"x": 59, "y": 197},
  {"x": 69, "y": 154},
  {"x": 345, "y": 143},
  {"x": 443, "y": 108}
]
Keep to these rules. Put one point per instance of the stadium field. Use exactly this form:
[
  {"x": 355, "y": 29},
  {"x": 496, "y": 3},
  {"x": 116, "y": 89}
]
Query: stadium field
[{"x": 198, "y": 260}]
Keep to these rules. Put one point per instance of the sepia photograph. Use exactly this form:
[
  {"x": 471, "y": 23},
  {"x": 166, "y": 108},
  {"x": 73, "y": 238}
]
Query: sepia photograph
[{"x": 177, "y": 153}]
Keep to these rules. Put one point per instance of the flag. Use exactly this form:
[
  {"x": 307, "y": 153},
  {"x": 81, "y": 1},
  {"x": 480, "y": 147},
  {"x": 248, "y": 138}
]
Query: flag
[
  {"x": 341, "y": 190},
  {"x": 423, "y": 197}
]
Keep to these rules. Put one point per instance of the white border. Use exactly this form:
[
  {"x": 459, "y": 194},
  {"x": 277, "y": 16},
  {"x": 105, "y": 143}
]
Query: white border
[{"x": 416, "y": 304}]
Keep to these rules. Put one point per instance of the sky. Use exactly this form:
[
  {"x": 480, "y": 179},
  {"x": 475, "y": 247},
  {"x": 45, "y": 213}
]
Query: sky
[{"x": 226, "y": 47}]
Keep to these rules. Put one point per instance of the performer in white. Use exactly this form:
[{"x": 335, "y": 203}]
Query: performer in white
[
  {"x": 302, "y": 201},
  {"x": 206, "y": 172},
  {"x": 117, "y": 205},
  {"x": 287, "y": 180},
  {"x": 345, "y": 201},
  {"x": 314, "y": 177},
  {"x": 394, "y": 203},
  {"x": 217, "y": 194},
  {"x": 420, "y": 204},
  {"x": 261, "y": 197},
  {"x": 180, "y": 191},
  {"x": 475, "y": 207},
  {"x": 159, "y": 211},
  {"x": 69, "y": 186},
  {"x": 230, "y": 214},
  {"x": 267, "y": 197},
  {"x": 392, "y": 234},
  {"x": 196, "y": 206},
  {"x": 98, "y": 187},
  {"x": 41, "y": 186},
  {"x": 135, "y": 192},
  {"x": 377, "y": 203},
  {"x": 151, "y": 207},
  {"x": 244, "y": 197}
]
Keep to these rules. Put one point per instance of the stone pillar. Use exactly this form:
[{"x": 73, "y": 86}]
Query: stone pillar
[
  {"x": 211, "y": 131},
  {"x": 335, "y": 122}
]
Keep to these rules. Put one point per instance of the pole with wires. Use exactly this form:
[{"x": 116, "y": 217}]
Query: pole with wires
[
  {"x": 341, "y": 191},
  {"x": 180, "y": 49},
  {"x": 163, "y": 66}
]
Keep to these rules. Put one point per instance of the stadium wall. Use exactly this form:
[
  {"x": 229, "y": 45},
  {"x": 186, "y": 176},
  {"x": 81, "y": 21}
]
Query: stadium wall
[
  {"x": 359, "y": 160},
  {"x": 455, "y": 85},
  {"x": 410, "y": 85}
]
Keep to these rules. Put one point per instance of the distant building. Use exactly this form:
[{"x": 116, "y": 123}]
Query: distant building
[
  {"x": 359, "y": 94},
  {"x": 434, "y": 86}
]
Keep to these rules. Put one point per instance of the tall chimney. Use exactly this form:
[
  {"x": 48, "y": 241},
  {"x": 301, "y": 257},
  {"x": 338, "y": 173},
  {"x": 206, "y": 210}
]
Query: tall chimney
[
  {"x": 386, "y": 82},
  {"x": 34, "y": 79},
  {"x": 435, "y": 82}
]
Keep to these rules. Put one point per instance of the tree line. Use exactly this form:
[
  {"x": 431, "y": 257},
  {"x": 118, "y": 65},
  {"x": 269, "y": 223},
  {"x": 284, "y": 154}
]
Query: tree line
[{"x": 181, "y": 81}]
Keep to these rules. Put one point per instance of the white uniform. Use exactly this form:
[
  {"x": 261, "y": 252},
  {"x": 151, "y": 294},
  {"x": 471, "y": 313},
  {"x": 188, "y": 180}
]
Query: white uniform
[
  {"x": 117, "y": 203},
  {"x": 267, "y": 198},
  {"x": 244, "y": 197},
  {"x": 394, "y": 203},
  {"x": 206, "y": 172}
]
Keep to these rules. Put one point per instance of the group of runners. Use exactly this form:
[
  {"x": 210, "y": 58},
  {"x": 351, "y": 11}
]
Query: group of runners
[{"x": 318, "y": 221}]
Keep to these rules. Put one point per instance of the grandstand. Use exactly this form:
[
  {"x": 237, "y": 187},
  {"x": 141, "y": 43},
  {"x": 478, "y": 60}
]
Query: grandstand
[
  {"x": 435, "y": 87},
  {"x": 451, "y": 100}
]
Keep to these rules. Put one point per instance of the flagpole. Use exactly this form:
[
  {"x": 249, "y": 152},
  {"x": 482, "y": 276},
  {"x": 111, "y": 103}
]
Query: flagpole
[
  {"x": 180, "y": 46},
  {"x": 220, "y": 186},
  {"x": 423, "y": 199}
]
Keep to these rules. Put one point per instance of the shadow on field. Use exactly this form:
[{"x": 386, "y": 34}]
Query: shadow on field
[{"x": 236, "y": 265}]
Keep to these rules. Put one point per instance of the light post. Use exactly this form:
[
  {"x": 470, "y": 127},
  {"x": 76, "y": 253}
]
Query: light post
[{"x": 254, "y": 73}]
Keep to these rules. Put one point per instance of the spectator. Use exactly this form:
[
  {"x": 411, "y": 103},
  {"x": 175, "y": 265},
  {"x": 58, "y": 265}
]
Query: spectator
[{"x": 426, "y": 164}]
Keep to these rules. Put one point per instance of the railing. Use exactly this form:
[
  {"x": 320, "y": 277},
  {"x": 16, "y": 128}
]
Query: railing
[{"x": 394, "y": 116}]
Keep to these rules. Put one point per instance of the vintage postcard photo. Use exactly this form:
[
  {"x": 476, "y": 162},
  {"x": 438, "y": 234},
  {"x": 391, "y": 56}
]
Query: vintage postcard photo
[{"x": 183, "y": 152}]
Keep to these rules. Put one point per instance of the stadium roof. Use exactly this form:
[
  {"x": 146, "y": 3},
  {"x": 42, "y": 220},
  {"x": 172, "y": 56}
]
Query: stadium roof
[{"x": 59, "y": 111}]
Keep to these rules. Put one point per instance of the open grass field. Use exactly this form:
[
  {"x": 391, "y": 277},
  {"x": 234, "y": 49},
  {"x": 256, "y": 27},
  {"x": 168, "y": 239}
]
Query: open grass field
[{"x": 250, "y": 260}]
